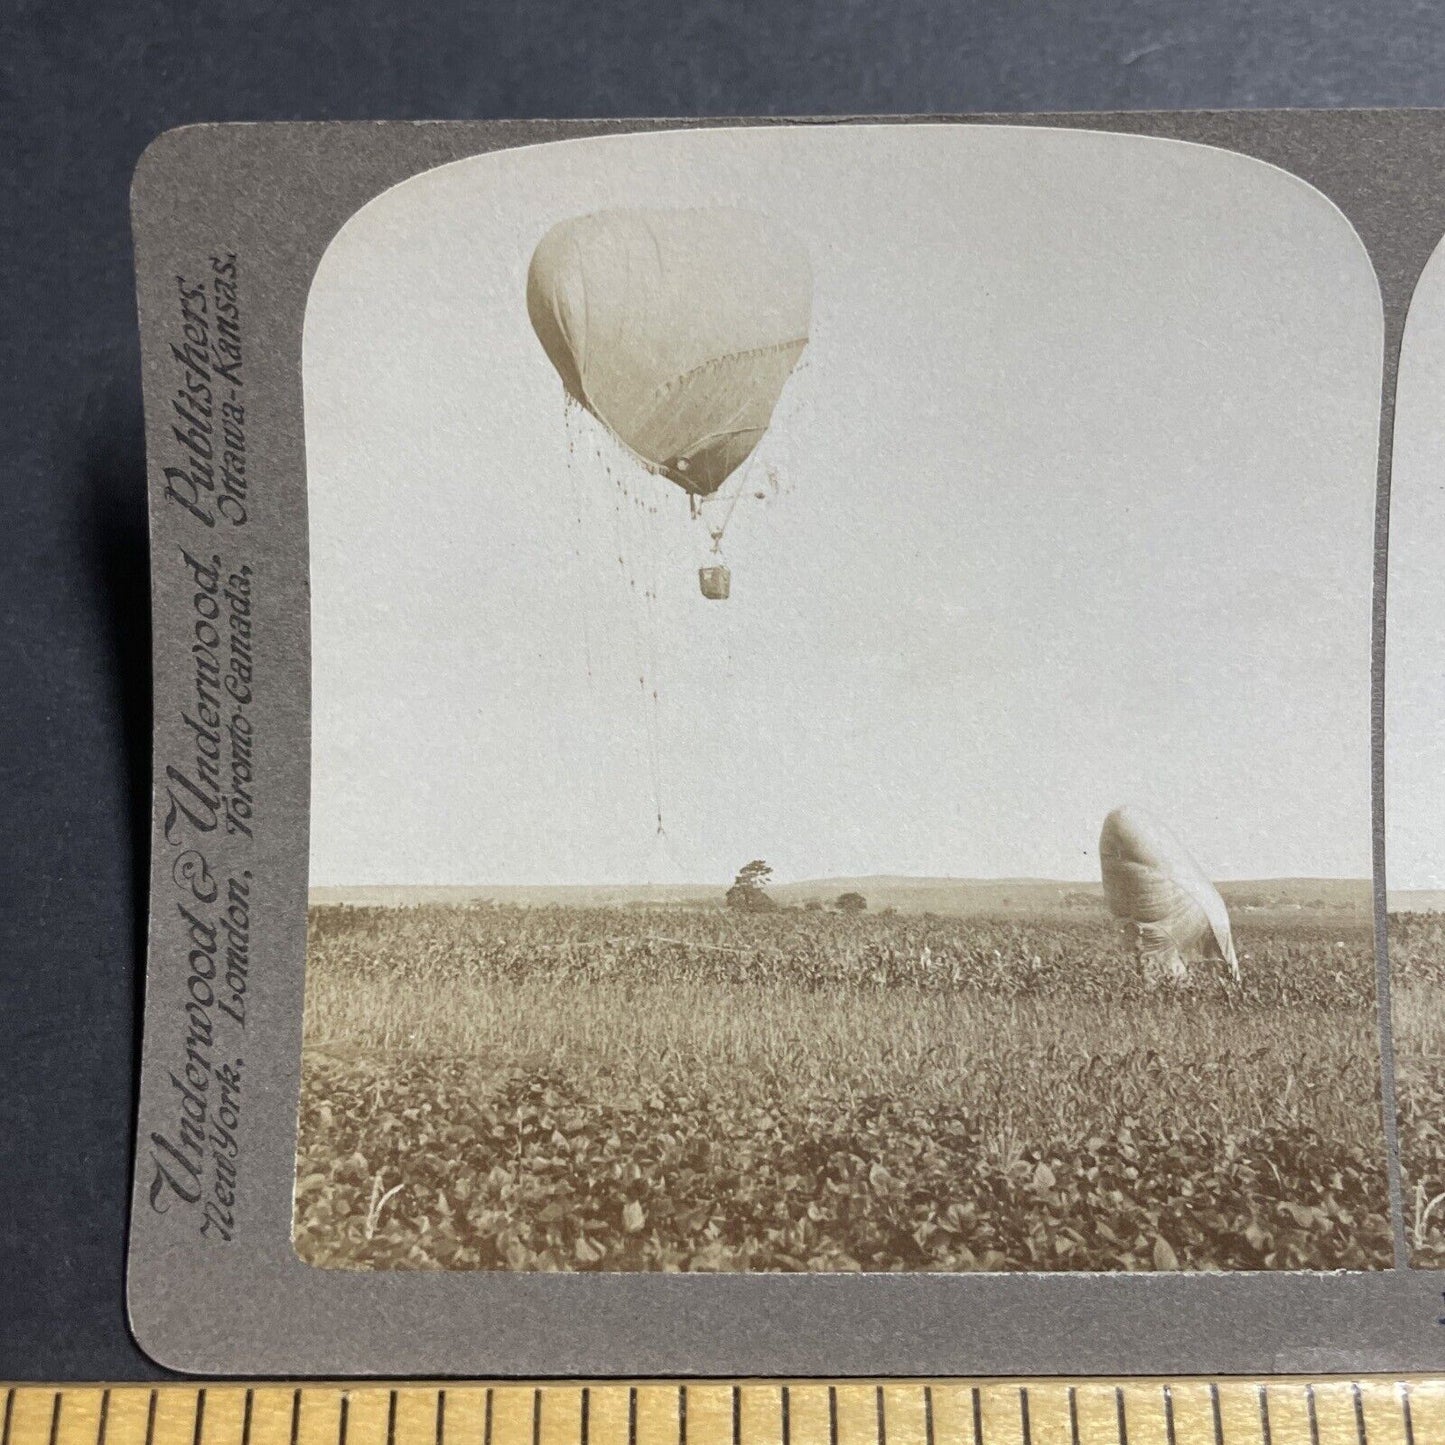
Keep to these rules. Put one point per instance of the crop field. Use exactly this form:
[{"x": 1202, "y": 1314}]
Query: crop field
[
  {"x": 1417, "y": 966},
  {"x": 695, "y": 1088}
]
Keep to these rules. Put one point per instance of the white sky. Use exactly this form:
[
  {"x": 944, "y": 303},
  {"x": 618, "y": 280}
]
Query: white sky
[
  {"x": 1076, "y": 509},
  {"x": 1415, "y": 629}
]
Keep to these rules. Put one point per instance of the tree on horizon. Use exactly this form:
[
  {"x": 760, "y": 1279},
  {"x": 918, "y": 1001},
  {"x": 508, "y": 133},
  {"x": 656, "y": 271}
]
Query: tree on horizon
[{"x": 750, "y": 887}]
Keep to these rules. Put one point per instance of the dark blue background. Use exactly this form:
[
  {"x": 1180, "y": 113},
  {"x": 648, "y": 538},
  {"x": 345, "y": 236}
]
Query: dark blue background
[{"x": 83, "y": 88}]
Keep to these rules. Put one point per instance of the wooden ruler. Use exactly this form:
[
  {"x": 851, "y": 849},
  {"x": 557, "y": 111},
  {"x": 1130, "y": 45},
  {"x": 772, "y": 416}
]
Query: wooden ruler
[{"x": 1368, "y": 1411}]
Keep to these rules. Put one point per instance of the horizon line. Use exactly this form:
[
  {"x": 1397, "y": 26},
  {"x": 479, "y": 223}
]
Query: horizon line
[{"x": 903, "y": 878}]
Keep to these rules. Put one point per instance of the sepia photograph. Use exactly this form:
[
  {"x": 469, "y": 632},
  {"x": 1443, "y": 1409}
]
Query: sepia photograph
[
  {"x": 841, "y": 715},
  {"x": 1415, "y": 769}
]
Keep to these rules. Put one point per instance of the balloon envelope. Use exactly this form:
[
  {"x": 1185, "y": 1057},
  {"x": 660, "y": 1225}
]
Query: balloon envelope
[
  {"x": 1151, "y": 879},
  {"x": 676, "y": 329}
]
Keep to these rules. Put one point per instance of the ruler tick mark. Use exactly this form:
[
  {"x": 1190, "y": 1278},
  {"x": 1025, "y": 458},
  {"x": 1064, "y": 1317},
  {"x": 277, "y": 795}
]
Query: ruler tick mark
[{"x": 209, "y": 1428}]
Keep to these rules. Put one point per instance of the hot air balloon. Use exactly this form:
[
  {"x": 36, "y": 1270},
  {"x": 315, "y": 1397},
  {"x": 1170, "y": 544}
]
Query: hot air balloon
[
  {"x": 1151, "y": 880},
  {"x": 677, "y": 330}
]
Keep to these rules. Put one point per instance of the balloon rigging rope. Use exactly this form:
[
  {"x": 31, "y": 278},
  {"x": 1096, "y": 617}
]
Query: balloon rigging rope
[
  {"x": 572, "y": 420},
  {"x": 648, "y": 649},
  {"x": 643, "y": 629},
  {"x": 650, "y": 547},
  {"x": 743, "y": 481}
]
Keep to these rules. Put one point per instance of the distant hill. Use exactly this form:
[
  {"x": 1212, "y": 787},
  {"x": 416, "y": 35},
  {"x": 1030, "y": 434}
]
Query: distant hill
[
  {"x": 1415, "y": 900},
  {"x": 540, "y": 895},
  {"x": 949, "y": 895},
  {"x": 955, "y": 896}
]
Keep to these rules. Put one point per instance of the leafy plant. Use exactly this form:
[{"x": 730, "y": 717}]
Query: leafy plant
[{"x": 688, "y": 1089}]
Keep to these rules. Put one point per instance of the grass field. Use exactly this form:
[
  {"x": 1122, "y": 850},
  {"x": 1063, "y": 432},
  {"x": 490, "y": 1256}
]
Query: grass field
[
  {"x": 687, "y": 1088},
  {"x": 1417, "y": 964}
]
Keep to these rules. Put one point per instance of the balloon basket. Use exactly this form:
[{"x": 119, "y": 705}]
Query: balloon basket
[{"x": 716, "y": 583}]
